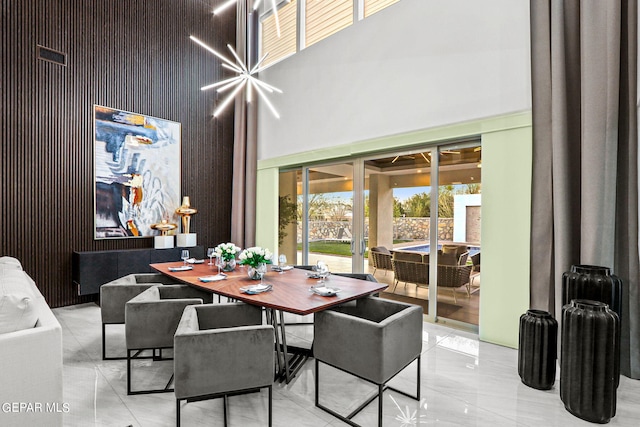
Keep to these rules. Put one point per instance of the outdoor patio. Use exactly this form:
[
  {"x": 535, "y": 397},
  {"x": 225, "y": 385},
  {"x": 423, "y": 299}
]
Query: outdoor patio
[{"x": 465, "y": 309}]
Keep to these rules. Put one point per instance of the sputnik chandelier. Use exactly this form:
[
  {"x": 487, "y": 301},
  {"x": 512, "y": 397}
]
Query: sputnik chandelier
[{"x": 245, "y": 77}]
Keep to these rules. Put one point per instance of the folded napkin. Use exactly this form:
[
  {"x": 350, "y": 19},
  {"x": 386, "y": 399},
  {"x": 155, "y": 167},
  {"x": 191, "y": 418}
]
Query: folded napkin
[
  {"x": 181, "y": 268},
  {"x": 255, "y": 289},
  {"x": 214, "y": 278},
  {"x": 324, "y": 291}
]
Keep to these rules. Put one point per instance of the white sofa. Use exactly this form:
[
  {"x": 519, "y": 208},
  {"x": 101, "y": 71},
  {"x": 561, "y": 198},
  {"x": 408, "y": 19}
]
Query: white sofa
[{"x": 30, "y": 353}]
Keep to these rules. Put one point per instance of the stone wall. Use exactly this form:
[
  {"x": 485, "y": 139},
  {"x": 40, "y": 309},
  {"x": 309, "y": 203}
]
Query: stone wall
[{"x": 403, "y": 229}]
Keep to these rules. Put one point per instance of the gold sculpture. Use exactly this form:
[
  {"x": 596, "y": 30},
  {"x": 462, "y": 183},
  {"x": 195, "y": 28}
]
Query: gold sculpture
[
  {"x": 164, "y": 227},
  {"x": 185, "y": 211}
]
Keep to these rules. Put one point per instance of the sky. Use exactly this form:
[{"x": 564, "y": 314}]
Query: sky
[{"x": 401, "y": 194}]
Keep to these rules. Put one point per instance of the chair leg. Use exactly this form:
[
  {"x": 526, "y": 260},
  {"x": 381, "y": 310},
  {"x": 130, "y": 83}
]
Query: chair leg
[
  {"x": 395, "y": 285},
  {"x": 225, "y": 399},
  {"x": 418, "y": 388},
  {"x": 104, "y": 345},
  {"x": 380, "y": 401},
  {"x": 270, "y": 406},
  {"x": 454, "y": 295},
  {"x": 177, "y": 412},
  {"x": 128, "y": 372},
  {"x": 166, "y": 389},
  {"x": 317, "y": 382}
]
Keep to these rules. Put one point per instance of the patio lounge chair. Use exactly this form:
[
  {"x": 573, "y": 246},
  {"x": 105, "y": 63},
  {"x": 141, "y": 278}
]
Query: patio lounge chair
[
  {"x": 380, "y": 258},
  {"x": 408, "y": 267}
]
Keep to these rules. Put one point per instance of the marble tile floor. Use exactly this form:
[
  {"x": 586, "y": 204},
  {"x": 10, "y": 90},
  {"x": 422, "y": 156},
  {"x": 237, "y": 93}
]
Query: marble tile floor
[{"x": 464, "y": 382}]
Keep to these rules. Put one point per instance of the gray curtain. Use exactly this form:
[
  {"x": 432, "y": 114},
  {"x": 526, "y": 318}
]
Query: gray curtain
[
  {"x": 585, "y": 159},
  {"x": 245, "y": 150}
]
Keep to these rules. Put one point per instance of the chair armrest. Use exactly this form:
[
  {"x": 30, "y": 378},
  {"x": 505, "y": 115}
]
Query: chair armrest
[
  {"x": 114, "y": 296},
  {"x": 184, "y": 291},
  {"x": 212, "y": 316},
  {"x": 156, "y": 278},
  {"x": 462, "y": 259},
  {"x": 32, "y": 369}
]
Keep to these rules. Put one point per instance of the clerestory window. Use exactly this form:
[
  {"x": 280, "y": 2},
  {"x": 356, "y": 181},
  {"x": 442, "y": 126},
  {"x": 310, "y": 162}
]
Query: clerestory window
[{"x": 297, "y": 24}]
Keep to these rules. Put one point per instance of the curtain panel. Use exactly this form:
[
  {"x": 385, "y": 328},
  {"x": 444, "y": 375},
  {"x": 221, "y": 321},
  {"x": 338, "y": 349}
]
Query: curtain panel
[
  {"x": 585, "y": 152},
  {"x": 245, "y": 148}
]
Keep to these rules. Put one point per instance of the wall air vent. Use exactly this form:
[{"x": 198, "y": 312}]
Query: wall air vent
[{"x": 46, "y": 54}]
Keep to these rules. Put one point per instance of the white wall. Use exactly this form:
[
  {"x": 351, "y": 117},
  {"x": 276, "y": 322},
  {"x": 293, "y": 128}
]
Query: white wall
[
  {"x": 460, "y": 204},
  {"x": 415, "y": 65}
]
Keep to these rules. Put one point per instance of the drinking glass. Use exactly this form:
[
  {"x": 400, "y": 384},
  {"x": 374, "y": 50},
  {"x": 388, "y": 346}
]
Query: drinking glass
[
  {"x": 185, "y": 256},
  {"x": 282, "y": 262},
  {"x": 210, "y": 253},
  {"x": 219, "y": 263},
  {"x": 322, "y": 270},
  {"x": 262, "y": 269}
]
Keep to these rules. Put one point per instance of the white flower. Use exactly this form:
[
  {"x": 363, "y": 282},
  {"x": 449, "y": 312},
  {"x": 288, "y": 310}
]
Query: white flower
[{"x": 254, "y": 256}]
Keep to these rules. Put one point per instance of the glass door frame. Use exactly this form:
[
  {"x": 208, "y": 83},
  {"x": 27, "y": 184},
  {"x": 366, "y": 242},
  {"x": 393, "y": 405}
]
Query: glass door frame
[
  {"x": 436, "y": 151},
  {"x": 357, "y": 219}
]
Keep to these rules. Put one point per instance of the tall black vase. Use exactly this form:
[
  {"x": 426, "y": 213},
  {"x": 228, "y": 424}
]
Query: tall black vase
[
  {"x": 592, "y": 282},
  {"x": 589, "y": 360},
  {"x": 537, "y": 350}
]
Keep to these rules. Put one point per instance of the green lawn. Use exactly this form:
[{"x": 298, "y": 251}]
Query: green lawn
[{"x": 332, "y": 247}]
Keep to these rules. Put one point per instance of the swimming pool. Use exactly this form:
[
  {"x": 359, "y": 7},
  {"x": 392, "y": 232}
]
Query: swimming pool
[{"x": 426, "y": 248}]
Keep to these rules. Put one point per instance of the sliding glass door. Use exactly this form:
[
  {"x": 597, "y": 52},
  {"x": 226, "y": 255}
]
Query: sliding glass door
[
  {"x": 457, "y": 194},
  {"x": 424, "y": 203},
  {"x": 332, "y": 215}
]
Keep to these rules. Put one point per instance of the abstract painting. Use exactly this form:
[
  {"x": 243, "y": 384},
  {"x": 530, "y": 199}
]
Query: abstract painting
[{"x": 137, "y": 172}]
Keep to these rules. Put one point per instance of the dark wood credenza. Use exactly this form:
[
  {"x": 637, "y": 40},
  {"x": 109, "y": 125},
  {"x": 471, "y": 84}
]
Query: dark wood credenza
[{"x": 91, "y": 269}]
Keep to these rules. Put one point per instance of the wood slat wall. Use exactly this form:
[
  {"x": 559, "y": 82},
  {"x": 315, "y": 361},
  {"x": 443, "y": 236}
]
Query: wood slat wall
[{"x": 133, "y": 55}]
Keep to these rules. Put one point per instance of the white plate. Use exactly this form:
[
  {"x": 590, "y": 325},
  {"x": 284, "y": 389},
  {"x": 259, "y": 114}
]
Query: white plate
[
  {"x": 287, "y": 268},
  {"x": 182, "y": 268},
  {"x": 214, "y": 278}
]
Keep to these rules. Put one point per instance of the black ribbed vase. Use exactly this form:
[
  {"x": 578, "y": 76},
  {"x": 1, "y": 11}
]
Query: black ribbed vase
[
  {"x": 537, "y": 350},
  {"x": 589, "y": 360},
  {"x": 592, "y": 282}
]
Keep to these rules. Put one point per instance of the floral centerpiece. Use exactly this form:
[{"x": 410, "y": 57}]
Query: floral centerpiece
[
  {"x": 227, "y": 253},
  {"x": 256, "y": 258}
]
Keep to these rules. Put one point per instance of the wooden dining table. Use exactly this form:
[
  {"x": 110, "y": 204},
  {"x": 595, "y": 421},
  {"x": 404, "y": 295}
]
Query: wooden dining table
[{"x": 290, "y": 292}]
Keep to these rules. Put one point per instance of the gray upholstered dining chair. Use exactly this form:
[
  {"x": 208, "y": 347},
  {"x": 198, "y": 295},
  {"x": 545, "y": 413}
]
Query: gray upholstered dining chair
[
  {"x": 115, "y": 294},
  {"x": 374, "y": 340},
  {"x": 222, "y": 350},
  {"x": 151, "y": 319}
]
